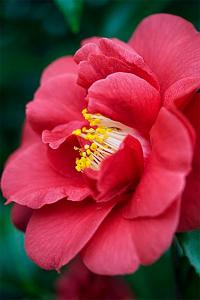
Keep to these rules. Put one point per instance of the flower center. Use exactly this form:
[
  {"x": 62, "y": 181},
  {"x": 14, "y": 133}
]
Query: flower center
[{"x": 101, "y": 139}]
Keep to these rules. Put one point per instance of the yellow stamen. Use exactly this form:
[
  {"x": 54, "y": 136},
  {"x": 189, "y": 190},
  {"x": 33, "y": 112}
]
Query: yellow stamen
[{"x": 104, "y": 137}]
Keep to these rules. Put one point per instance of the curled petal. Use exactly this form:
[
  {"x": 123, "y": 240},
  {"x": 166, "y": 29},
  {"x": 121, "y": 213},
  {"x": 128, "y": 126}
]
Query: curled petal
[
  {"x": 20, "y": 216},
  {"x": 190, "y": 205},
  {"x": 62, "y": 65},
  {"x": 165, "y": 173},
  {"x": 170, "y": 46},
  {"x": 61, "y": 230},
  {"x": 181, "y": 92},
  {"x": 119, "y": 246},
  {"x": 125, "y": 98},
  {"x": 105, "y": 56},
  {"x": 58, "y": 101},
  {"x": 112, "y": 181},
  {"x": 37, "y": 183},
  {"x": 60, "y": 133}
]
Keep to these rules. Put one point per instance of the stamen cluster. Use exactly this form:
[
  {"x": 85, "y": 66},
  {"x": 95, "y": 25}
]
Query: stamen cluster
[{"x": 103, "y": 139}]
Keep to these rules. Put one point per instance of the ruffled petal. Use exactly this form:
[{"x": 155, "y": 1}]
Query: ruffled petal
[
  {"x": 190, "y": 207},
  {"x": 37, "y": 183},
  {"x": 58, "y": 101},
  {"x": 125, "y": 98},
  {"x": 101, "y": 57},
  {"x": 180, "y": 93},
  {"x": 29, "y": 136},
  {"x": 112, "y": 181},
  {"x": 153, "y": 236},
  {"x": 92, "y": 39},
  {"x": 62, "y": 65},
  {"x": 60, "y": 133},
  {"x": 165, "y": 173},
  {"x": 56, "y": 233},
  {"x": 20, "y": 216},
  {"x": 63, "y": 159},
  {"x": 112, "y": 250},
  {"x": 119, "y": 246},
  {"x": 170, "y": 46}
]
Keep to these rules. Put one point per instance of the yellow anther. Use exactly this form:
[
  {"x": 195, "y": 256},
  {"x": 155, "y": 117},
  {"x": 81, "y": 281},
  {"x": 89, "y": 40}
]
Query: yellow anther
[
  {"x": 93, "y": 147},
  {"x": 94, "y": 122},
  {"x": 96, "y": 135},
  {"x": 76, "y": 132},
  {"x": 83, "y": 154},
  {"x": 84, "y": 111},
  {"x": 91, "y": 157},
  {"x": 78, "y": 168},
  {"x": 87, "y": 164},
  {"x": 101, "y": 130},
  {"x": 88, "y": 151},
  {"x": 90, "y": 136},
  {"x": 91, "y": 130},
  {"x": 87, "y": 117},
  {"x": 99, "y": 140}
]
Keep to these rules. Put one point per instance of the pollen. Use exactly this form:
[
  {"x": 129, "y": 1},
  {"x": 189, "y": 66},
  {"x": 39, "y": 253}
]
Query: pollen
[{"x": 103, "y": 137}]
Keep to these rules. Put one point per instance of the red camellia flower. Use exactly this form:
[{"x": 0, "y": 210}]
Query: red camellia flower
[
  {"x": 78, "y": 283},
  {"x": 109, "y": 162}
]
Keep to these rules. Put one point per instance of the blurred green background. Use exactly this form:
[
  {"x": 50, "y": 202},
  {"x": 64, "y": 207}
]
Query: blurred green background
[{"x": 32, "y": 34}]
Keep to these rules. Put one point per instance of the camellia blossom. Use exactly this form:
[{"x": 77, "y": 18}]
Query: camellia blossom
[
  {"x": 78, "y": 283},
  {"x": 109, "y": 161}
]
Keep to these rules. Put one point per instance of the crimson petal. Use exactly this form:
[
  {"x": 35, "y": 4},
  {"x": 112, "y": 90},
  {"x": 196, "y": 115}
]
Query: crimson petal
[
  {"x": 125, "y": 98},
  {"x": 62, "y": 65},
  {"x": 20, "y": 216},
  {"x": 105, "y": 56},
  {"x": 112, "y": 181},
  {"x": 165, "y": 173},
  {"x": 190, "y": 207},
  {"x": 28, "y": 179},
  {"x": 170, "y": 46},
  {"x": 56, "y": 233},
  {"x": 58, "y": 101},
  {"x": 119, "y": 246}
]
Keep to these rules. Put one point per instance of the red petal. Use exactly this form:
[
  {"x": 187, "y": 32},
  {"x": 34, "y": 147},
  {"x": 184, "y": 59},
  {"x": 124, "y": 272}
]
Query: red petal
[
  {"x": 120, "y": 245},
  {"x": 125, "y": 98},
  {"x": 112, "y": 251},
  {"x": 190, "y": 207},
  {"x": 167, "y": 168},
  {"x": 62, "y": 65},
  {"x": 60, "y": 133},
  {"x": 37, "y": 183},
  {"x": 93, "y": 39},
  {"x": 58, "y": 101},
  {"x": 152, "y": 236},
  {"x": 56, "y": 233},
  {"x": 29, "y": 136},
  {"x": 170, "y": 46},
  {"x": 63, "y": 159},
  {"x": 112, "y": 181},
  {"x": 20, "y": 216},
  {"x": 106, "y": 56},
  {"x": 180, "y": 93}
]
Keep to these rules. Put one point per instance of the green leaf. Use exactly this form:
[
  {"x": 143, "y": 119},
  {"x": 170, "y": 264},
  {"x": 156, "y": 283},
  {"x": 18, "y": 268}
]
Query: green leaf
[
  {"x": 190, "y": 243},
  {"x": 155, "y": 281},
  {"x": 71, "y": 10}
]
